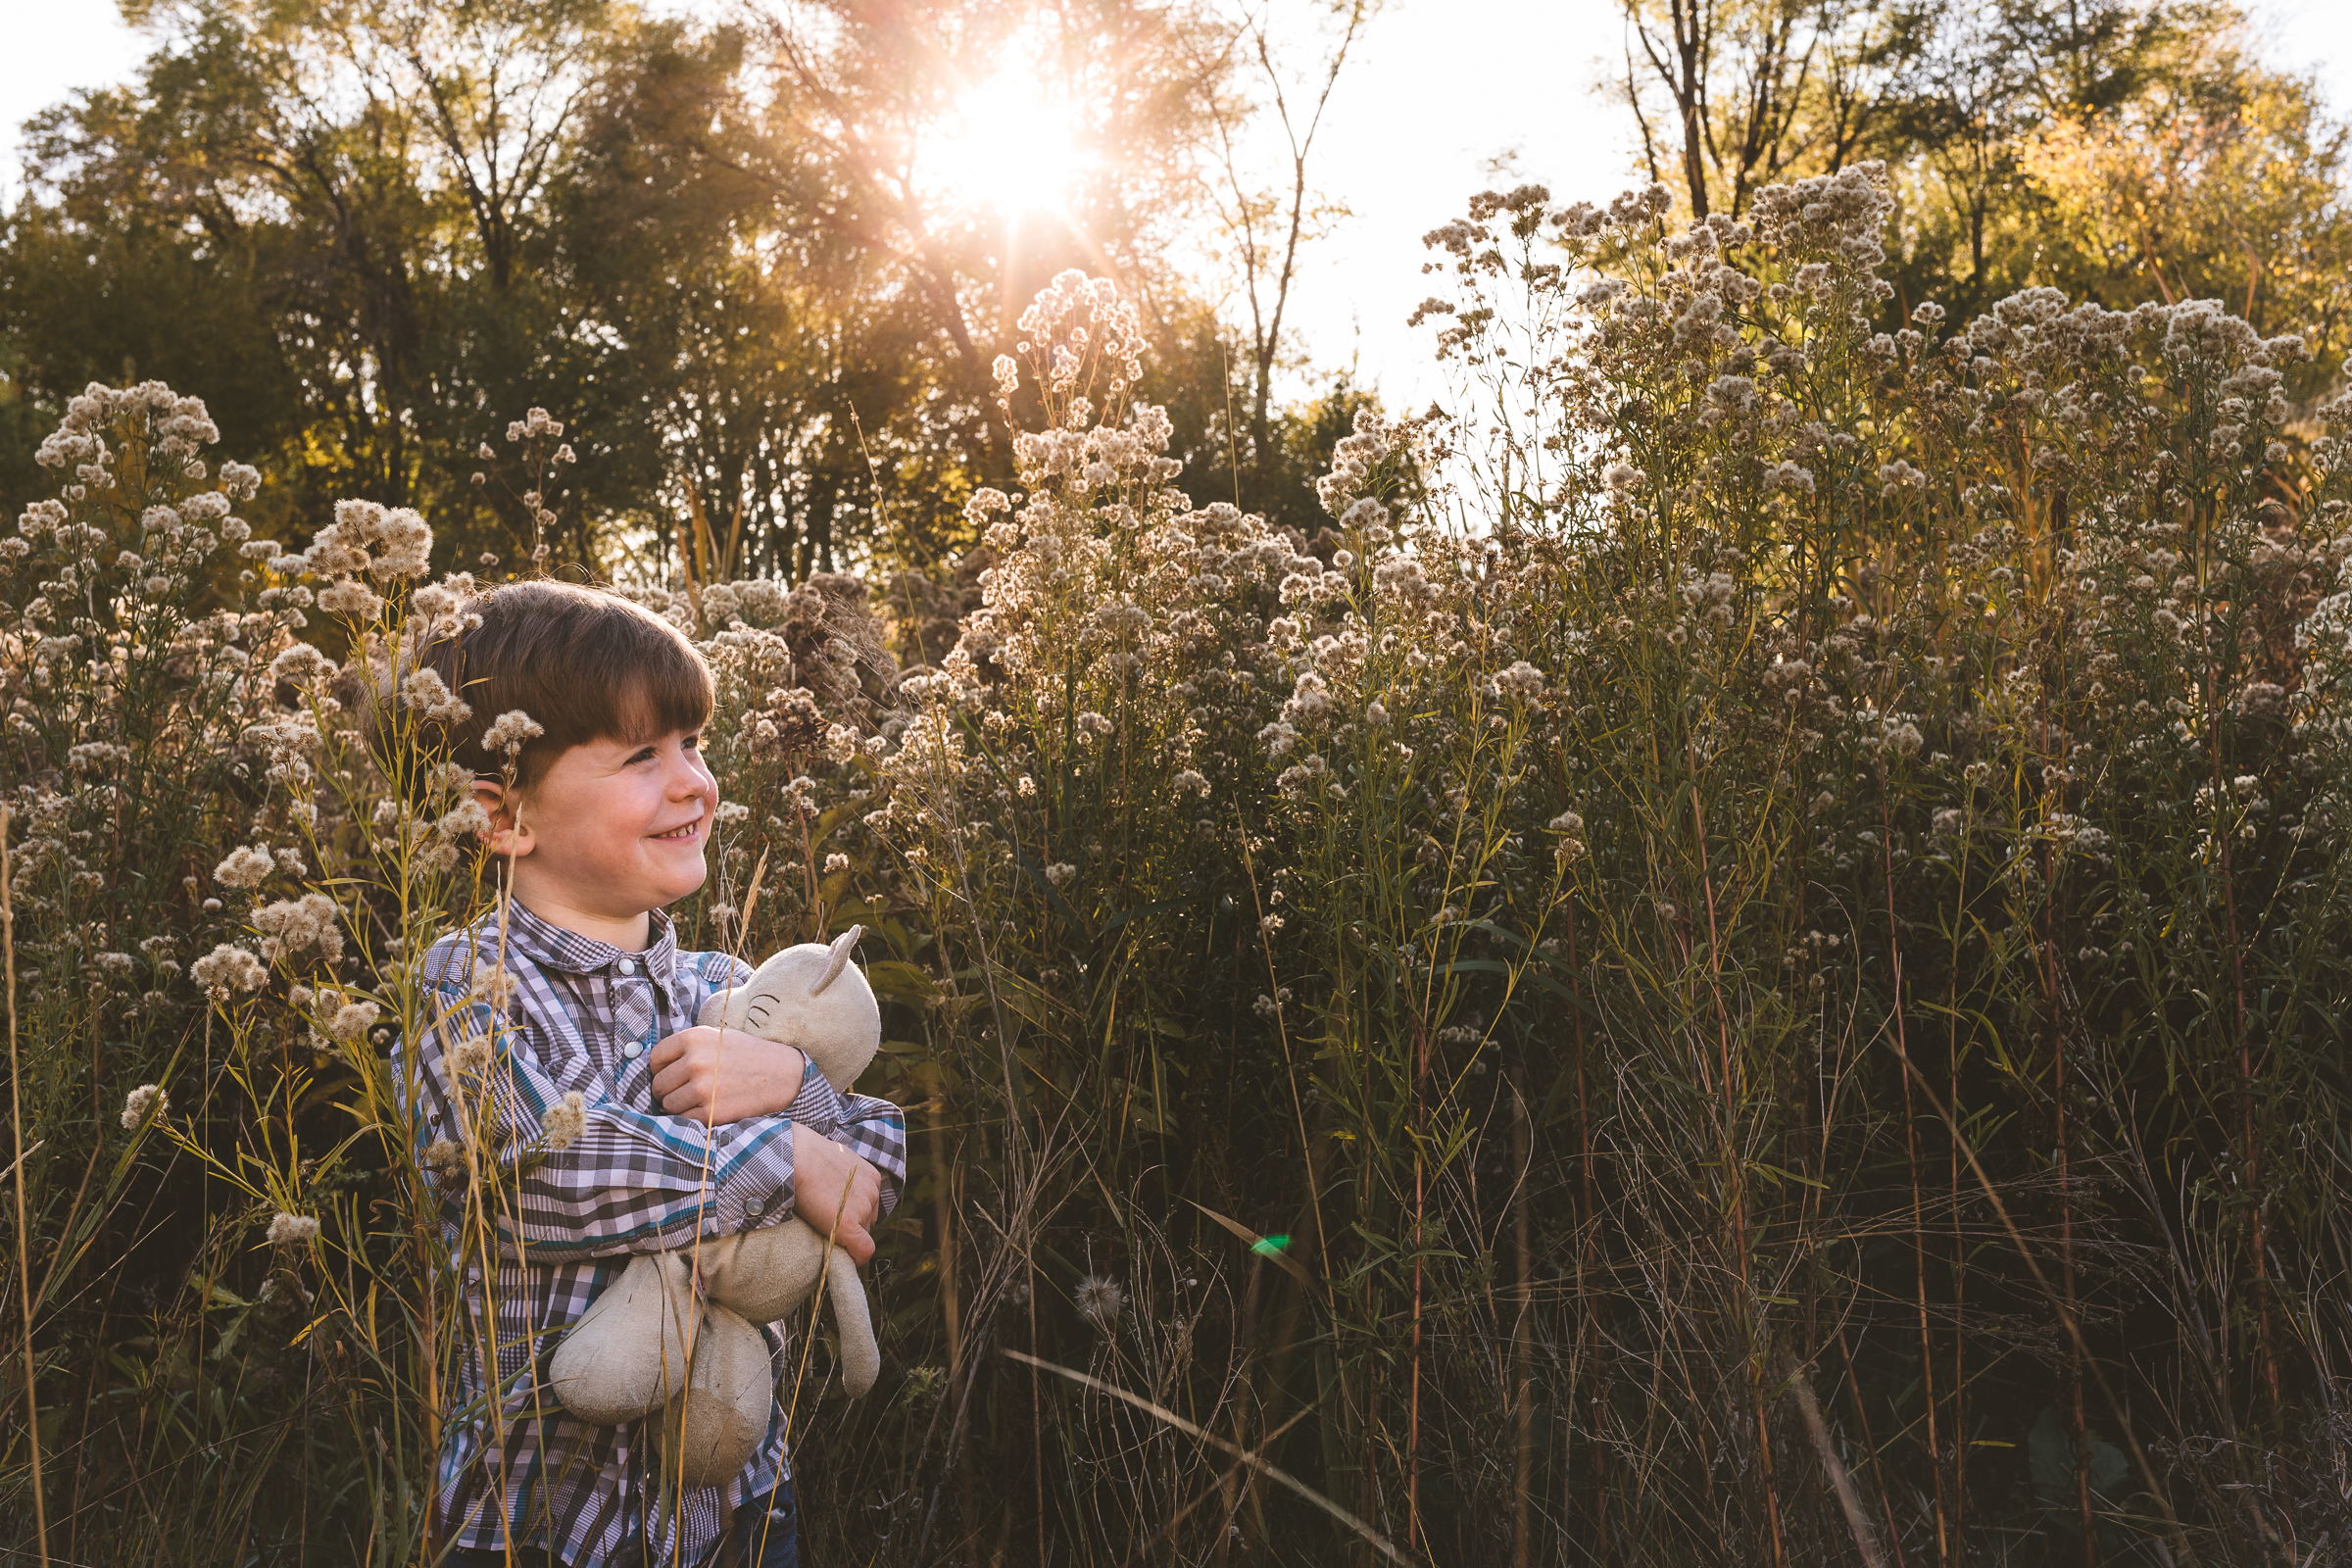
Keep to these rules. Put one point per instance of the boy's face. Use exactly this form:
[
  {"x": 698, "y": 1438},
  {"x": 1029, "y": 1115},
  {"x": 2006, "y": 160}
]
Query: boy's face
[{"x": 610, "y": 831}]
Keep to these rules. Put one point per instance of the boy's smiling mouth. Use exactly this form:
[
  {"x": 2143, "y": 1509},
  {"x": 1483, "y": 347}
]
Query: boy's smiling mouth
[{"x": 686, "y": 830}]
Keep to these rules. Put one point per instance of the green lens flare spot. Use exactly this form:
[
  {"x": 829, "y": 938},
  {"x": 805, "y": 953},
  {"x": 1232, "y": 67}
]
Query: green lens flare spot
[{"x": 1270, "y": 1246}]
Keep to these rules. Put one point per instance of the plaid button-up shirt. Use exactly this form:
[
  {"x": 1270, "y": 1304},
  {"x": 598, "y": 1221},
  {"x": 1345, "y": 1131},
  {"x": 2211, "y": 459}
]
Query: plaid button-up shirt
[{"x": 585, "y": 1015}]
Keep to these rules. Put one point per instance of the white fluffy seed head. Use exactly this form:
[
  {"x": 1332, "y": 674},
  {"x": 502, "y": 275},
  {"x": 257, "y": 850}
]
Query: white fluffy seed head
[{"x": 293, "y": 1230}]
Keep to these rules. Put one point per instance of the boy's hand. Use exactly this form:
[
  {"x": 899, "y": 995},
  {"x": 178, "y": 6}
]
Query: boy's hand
[
  {"x": 828, "y": 1180},
  {"x": 716, "y": 1075}
]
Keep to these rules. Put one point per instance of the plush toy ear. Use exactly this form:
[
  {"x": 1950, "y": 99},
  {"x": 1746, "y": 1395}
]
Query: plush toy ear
[{"x": 838, "y": 959}]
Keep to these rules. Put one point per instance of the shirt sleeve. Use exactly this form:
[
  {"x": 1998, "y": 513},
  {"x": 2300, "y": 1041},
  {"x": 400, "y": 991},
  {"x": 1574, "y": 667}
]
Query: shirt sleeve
[
  {"x": 875, "y": 1130},
  {"x": 818, "y": 1105},
  {"x": 624, "y": 1181}
]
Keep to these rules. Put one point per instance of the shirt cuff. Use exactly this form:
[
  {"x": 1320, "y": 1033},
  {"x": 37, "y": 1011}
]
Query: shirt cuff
[
  {"x": 758, "y": 1191},
  {"x": 817, "y": 1106}
]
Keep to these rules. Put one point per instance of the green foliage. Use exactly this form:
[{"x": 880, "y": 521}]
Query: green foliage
[
  {"x": 2119, "y": 150},
  {"x": 724, "y": 250}
]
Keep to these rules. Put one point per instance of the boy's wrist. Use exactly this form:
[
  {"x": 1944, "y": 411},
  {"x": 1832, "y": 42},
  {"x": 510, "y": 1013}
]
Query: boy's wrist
[{"x": 791, "y": 1076}]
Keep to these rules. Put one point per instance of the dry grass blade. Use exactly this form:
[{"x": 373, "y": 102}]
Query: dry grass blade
[
  {"x": 1272, "y": 1472},
  {"x": 1260, "y": 1245},
  {"x": 1866, "y": 1540}
]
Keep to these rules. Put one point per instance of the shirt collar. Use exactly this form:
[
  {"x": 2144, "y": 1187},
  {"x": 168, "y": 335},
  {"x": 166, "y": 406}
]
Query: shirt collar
[{"x": 543, "y": 942}]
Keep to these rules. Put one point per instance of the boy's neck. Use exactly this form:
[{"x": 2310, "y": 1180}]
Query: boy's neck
[{"x": 633, "y": 933}]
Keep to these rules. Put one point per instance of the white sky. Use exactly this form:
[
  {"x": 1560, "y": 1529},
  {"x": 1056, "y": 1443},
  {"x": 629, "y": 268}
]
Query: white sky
[{"x": 1437, "y": 90}]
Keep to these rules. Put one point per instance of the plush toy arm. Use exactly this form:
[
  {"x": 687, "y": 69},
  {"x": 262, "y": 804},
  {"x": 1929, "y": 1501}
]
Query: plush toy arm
[{"x": 762, "y": 1275}]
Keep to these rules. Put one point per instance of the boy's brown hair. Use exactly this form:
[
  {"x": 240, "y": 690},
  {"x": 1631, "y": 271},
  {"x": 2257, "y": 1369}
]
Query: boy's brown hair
[{"x": 585, "y": 663}]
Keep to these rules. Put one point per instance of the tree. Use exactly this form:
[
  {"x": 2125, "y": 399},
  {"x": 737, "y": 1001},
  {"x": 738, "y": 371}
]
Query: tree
[
  {"x": 2231, "y": 188},
  {"x": 733, "y": 260},
  {"x": 366, "y": 179},
  {"x": 1757, "y": 89},
  {"x": 1265, "y": 225},
  {"x": 2119, "y": 149}
]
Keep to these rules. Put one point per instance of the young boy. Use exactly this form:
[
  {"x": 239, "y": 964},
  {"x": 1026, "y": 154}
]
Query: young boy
[{"x": 678, "y": 1131}]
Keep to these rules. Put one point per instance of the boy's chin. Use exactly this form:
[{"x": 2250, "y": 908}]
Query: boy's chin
[{"x": 688, "y": 882}]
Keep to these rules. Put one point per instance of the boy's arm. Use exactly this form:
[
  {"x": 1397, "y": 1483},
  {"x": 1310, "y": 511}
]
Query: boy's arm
[{"x": 611, "y": 1180}]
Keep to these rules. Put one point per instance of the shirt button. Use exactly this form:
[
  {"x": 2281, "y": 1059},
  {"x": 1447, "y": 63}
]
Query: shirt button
[
  {"x": 627, "y": 966},
  {"x": 633, "y": 1050}
]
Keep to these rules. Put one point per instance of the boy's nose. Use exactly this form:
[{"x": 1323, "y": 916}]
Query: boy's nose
[{"x": 692, "y": 778}]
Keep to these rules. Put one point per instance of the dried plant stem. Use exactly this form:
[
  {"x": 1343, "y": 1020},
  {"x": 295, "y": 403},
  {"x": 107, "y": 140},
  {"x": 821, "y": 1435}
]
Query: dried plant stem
[
  {"x": 1735, "y": 1196},
  {"x": 2257, "y": 1243},
  {"x": 2066, "y": 1248},
  {"x": 1857, "y": 1521},
  {"x": 2250, "y": 1151},
  {"x": 2186, "y": 1552},
  {"x": 1870, "y": 1445},
  {"x": 1919, "y": 1233},
  {"x": 1221, "y": 1487},
  {"x": 16, "y": 1106},
  {"x": 1235, "y": 1488},
  {"x": 943, "y": 1203},
  {"x": 1413, "y": 1435},
  {"x": 24, "y": 1259},
  {"x": 1958, "y": 1543},
  {"x": 2050, "y": 990},
  {"x": 1588, "y": 1240},
  {"x": 1523, "y": 1352},
  {"x": 1036, "y": 1397},
  {"x": 1371, "y": 1537}
]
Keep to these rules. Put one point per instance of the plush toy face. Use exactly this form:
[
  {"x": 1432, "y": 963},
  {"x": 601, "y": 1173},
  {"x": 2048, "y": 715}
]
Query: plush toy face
[{"x": 810, "y": 997}]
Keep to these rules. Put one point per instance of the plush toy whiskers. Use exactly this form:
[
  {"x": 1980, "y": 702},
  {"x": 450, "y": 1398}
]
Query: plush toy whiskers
[{"x": 648, "y": 1344}]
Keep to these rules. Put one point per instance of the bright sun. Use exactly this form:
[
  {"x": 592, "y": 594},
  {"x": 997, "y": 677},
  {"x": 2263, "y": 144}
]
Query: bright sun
[{"x": 1010, "y": 149}]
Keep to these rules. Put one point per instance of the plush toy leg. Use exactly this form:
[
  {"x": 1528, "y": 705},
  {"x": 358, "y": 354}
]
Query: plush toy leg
[
  {"x": 764, "y": 1274},
  {"x": 712, "y": 1430},
  {"x": 629, "y": 1350},
  {"x": 860, "y": 1356}
]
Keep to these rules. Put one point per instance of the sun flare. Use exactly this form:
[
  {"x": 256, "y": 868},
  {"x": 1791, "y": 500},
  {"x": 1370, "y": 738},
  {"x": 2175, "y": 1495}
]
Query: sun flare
[{"x": 1009, "y": 148}]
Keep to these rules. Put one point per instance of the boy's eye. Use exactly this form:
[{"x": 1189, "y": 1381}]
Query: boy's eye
[
  {"x": 692, "y": 743},
  {"x": 644, "y": 755}
]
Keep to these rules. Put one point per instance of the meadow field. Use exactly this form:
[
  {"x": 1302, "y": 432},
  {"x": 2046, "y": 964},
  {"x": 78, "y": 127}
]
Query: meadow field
[{"x": 1731, "y": 950}]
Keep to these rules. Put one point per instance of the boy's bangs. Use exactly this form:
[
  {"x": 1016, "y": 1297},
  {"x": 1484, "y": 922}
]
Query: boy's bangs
[
  {"x": 672, "y": 695},
  {"x": 586, "y": 665},
  {"x": 618, "y": 672}
]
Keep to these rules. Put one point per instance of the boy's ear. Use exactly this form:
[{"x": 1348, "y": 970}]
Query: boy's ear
[{"x": 509, "y": 834}]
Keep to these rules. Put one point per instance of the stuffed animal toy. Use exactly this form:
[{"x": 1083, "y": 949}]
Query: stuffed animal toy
[{"x": 646, "y": 1343}]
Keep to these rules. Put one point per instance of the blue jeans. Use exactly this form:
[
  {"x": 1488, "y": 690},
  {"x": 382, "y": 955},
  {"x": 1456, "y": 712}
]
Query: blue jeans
[{"x": 766, "y": 1535}]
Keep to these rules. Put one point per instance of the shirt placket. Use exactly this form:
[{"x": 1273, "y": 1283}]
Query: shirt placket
[{"x": 636, "y": 1019}]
